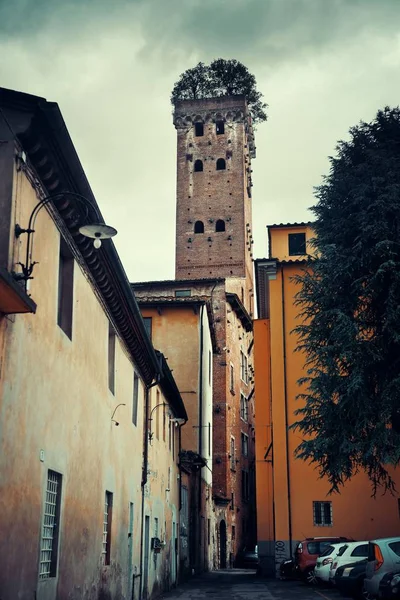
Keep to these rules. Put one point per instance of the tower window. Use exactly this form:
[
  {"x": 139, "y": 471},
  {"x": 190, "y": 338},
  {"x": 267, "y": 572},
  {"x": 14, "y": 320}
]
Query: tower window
[
  {"x": 199, "y": 129},
  {"x": 220, "y": 127},
  {"x": 198, "y": 166},
  {"x": 199, "y": 227},
  {"x": 221, "y": 165},
  {"x": 220, "y": 225},
  {"x": 297, "y": 244}
]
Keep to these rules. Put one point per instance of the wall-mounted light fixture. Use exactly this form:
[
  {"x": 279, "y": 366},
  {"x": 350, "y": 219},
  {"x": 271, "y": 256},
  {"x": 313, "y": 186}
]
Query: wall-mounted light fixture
[
  {"x": 149, "y": 433},
  {"x": 97, "y": 231},
  {"x": 112, "y": 416}
]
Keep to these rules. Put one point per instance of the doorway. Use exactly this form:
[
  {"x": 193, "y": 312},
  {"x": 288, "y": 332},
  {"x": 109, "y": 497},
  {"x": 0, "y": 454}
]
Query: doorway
[{"x": 222, "y": 545}]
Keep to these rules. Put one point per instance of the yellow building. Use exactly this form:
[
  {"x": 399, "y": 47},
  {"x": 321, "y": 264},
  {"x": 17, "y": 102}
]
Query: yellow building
[
  {"x": 81, "y": 512},
  {"x": 290, "y": 495}
]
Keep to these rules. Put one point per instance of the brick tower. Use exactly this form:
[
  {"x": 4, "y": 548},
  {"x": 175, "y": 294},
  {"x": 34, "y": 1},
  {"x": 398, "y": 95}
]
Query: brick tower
[
  {"x": 214, "y": 249},
  {"x": 213, "y": 222}
]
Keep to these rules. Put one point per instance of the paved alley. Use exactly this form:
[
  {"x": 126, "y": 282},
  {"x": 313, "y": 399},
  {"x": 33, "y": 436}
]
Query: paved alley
[{"x": 244, "y": 585}]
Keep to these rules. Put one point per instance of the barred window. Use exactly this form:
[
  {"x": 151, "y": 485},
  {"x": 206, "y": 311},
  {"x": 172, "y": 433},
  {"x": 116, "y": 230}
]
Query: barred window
[
  {"x": 107, "y": 518},
  {"x": 322, "y": 512},
  {"x": 51, "y": 525}
]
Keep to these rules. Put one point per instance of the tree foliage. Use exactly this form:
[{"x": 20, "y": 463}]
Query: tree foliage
[
  {"x": 220, "y": 78},
  {"x": 349, "y": 302}
]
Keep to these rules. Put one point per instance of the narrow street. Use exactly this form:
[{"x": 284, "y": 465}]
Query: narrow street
[{"x": 244, "y": 585}]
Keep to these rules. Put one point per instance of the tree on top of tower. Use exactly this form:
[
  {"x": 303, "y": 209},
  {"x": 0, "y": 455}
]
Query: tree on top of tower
[{"x": 220, "y": 78}]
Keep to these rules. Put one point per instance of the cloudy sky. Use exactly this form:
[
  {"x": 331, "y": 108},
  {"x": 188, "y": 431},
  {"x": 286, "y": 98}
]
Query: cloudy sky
[{"x": 322, "y": 65}]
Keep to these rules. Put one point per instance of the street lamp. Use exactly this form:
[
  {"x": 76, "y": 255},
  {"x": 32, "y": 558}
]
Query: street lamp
[{"x": 96, "y": 231}]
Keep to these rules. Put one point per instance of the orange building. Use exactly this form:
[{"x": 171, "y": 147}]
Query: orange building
[{"x": 292, "y": 501}]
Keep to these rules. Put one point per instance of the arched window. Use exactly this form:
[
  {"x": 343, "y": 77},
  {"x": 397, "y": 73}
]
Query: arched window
[
  {"x": 220, "y": 225},
  {"x": 198, "y": 165},
  {"x": 221, "y": 165},
  {"x": 199, "y": 227}
]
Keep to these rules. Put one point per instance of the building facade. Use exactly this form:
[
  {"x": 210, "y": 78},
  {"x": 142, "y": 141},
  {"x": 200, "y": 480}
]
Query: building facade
[
  {"x": 292, "y": 501},
  {"x": 78, "y": 379},
  {"x": 179, "y": 325}
]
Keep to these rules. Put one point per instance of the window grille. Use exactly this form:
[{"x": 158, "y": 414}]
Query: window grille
[
  {"x": 322, "y": 512},
  {"x": 51, "y": 521},
  {"x": 107, "y": 528}
]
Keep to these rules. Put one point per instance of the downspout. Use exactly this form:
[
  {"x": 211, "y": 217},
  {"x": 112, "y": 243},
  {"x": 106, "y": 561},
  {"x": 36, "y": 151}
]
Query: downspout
[
  {"x": 286, "y": 412},
  {"x": 200, "y": 418},
  {"x": 144, "y": 474}
]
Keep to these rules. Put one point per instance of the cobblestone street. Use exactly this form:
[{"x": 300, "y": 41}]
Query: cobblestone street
[{"x": 244, "y": 585}]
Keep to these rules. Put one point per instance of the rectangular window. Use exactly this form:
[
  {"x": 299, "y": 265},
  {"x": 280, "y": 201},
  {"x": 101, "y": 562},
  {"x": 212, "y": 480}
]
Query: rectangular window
[
  {"x": 231, "y": 379},
  {"x": 232, "y": 507},
  {"x": 297, "y": 244},
  {"x": 243, "y": 367},
  {"x": 244, "y": 408},
  {"x": 51, "y": 527},
  {"x": 135, "y": 399},
  {"x": 156, "y": 528},
  {"x": 198, "y": 129},
  {"x": 111, "y": 359},
  {"x": 183, "y": 293},
  {"x": 65, "y": 289},
  {"x": 164, "y": 424},
  {"x": 245, "y": 485},
  {"x": 232, "y": 454},
  {"x": 157, "y": 415},
  {"x": 148, "y": 325},
  {"x": 322, "y": 512},
  {"x": 220, "y": 127},
  {"x": 245, "y": 444},
  {"x": 107, "y": 519}
]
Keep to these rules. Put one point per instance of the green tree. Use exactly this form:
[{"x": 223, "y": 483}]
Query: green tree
[
  {"x": 349, "y": 299},
  {"x": 221, "y": 78}
]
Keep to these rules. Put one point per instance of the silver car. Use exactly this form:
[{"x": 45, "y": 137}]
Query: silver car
[{"x": 383, "y": 557}]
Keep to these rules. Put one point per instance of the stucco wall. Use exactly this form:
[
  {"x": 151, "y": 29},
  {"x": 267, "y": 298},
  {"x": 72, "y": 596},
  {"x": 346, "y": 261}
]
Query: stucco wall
[{"x": 55, "y": 413}]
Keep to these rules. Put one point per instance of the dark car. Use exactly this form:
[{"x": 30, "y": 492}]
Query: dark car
[
  {"x": 247, "y": 558},
  {"x": 349, "y": 579},
  {"x": 389, "y": 586}
]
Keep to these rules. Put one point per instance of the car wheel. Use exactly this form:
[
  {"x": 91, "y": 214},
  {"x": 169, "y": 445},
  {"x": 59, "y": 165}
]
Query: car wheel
[{"x": 310, "y": 578}]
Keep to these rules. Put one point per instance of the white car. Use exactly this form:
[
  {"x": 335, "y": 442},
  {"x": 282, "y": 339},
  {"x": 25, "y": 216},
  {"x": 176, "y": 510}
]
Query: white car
[
  {"x": 324, "y": 561},
  {"x": 350, "y": 552}
]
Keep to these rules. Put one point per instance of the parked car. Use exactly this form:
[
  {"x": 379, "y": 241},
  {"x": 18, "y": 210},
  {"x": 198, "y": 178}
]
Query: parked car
[
  {"x": 349, "y": 579},
  {"x": 247, "y": 558},
  {"x": 389, "y": 586},
  {"x": 348, "y": 553},
  {"x": 383, "y": 557},
  {"x": 307, "y": 552},
  {"x": 324, "y": 562}
]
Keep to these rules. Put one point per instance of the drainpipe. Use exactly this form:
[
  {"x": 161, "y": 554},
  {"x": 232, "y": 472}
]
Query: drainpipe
[
  {"x": 200, "y": 420},
  {"x": 286, "y": 412},
  {"x": 144, "y": 473}
]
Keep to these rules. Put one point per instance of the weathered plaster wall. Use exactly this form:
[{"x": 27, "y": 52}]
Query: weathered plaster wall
[{"x": 55, "y": 398}]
